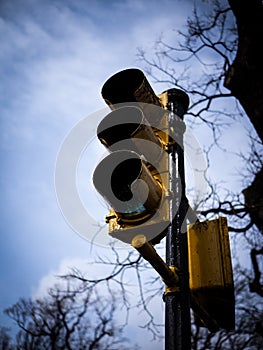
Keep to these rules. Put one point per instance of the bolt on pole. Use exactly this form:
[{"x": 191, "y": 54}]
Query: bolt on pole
[{"x": 177, "y": 304}]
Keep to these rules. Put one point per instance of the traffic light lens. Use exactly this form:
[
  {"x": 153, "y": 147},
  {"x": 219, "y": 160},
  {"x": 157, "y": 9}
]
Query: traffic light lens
[
  {"x": 122, "y": 178},
  {"x": 125, "y": 181},
  {"x": 123, "y": 184}
]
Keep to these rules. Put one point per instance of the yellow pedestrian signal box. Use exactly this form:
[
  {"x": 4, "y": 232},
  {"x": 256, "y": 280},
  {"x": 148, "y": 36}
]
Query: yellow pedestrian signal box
[{"x": 210, "y": 269}]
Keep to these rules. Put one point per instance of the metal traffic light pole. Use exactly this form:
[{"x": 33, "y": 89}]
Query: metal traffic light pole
[{"x": 177, "y": 303}]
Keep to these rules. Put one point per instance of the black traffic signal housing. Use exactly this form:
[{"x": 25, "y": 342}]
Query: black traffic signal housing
[{"x": 134, "y": 177}]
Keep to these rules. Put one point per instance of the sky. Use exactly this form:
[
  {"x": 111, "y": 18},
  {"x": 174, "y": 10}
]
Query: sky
[{"x": 54, "y": 58}]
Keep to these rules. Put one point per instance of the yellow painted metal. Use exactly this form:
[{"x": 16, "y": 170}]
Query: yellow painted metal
[
  {"x": 210, "y": 269},
  {"x": 168, "y": 273},
  {"x": 154, "y": 225}
]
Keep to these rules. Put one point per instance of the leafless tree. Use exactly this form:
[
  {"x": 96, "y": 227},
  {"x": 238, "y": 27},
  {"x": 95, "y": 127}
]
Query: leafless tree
[
  {"x": 5, "y": 339},
  {"x": 71, "y": 317},
  {"x": 248, "y": 330},
  {"x": 217, "y": 62},
  {"x": 78, "y": 318}
]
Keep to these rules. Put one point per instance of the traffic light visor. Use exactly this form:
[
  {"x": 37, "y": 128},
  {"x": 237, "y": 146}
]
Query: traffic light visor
[
  {"x": 129, "y": 125},
  {"x": 129, "y": 85}
]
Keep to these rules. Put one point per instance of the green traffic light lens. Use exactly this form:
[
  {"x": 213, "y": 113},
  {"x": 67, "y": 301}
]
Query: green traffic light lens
[{"x": 124, "y": 180}]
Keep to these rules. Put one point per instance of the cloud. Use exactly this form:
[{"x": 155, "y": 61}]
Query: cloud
[
  {"x": 54, "y": 57},
  {"x": 53, "y": 277}
]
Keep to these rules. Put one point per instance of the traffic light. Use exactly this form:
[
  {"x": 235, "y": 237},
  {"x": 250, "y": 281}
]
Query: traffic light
[{"x": 134, "y": 177}]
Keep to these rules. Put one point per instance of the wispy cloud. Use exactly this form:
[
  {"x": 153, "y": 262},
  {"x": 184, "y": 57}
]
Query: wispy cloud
[{"x": 54, "y": 58}]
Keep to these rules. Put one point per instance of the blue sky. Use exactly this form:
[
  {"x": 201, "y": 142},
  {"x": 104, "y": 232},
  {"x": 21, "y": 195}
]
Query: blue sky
[{"x": 54, "y": 58}]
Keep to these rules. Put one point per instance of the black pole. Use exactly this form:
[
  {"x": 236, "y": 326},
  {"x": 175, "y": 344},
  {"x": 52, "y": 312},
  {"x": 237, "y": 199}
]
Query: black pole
[{"x": 177, "y": 304}]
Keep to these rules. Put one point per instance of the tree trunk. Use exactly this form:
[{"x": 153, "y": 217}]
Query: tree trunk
[{"x": 245, "y": 76}]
